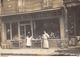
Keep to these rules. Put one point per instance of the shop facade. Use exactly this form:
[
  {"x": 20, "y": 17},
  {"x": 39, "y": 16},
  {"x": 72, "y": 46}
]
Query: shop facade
[
  {"x": 45, "y": 15},
  {"x": 16, "y": 27}
]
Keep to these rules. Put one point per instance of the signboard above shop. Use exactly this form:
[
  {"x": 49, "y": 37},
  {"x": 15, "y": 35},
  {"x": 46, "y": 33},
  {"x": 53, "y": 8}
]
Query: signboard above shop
[
  {"x": 52, "y": 3},
  {"x": 15, "y": 6},
  {"x": 30, "y": 5}
]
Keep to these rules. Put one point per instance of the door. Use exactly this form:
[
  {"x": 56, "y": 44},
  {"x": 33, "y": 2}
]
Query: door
[
  {"x": 24, "y": 30},
  {"x": 28, "y": 29}
]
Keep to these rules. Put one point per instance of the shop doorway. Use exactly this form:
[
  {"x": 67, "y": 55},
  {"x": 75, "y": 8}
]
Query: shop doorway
[
  {"x": 28, "y": 29},
  {"x": 24, "y": 30}
]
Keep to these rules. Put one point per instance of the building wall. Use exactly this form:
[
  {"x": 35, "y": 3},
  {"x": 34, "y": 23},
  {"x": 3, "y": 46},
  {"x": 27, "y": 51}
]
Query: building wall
[
  {"x": 9, "y": 6},
  {"x": 0, "y": 7},
  {"x": 37, "y": 16},
  {"x": 16, "y": 6}
]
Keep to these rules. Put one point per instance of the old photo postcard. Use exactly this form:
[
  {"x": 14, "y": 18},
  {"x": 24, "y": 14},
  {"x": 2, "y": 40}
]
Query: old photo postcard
[{"x": 39, "y": 28}]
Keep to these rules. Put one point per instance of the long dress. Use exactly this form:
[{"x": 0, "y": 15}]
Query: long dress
[
  {"x": 28, "y": 43},
  {"x": 45, "y": 40}
]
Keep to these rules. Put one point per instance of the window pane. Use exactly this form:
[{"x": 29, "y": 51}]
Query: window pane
[
  {"x": 28, "y": 30},
  {"x": 15, "y": 30},
  {"x": 22, "y": 34},
  {"x": 24, "y": 22},
  {"x": 8, "y": 30},
  {"x": 49, "y": 26}
]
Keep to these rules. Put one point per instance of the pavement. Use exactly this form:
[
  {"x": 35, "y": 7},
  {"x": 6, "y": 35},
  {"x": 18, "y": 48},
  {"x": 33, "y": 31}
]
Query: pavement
[
  {"x": 41, "y": 52},
  {"x": 70, "y": 51},
  {"x": 27, "y": 51}
]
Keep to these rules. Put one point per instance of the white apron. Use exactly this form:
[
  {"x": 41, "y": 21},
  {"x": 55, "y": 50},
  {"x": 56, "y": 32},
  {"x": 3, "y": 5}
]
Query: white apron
[
  {"x": 28, "y": 43},
  {"x": 45, "y": 41},
  {"x": 45, "y": 44}
]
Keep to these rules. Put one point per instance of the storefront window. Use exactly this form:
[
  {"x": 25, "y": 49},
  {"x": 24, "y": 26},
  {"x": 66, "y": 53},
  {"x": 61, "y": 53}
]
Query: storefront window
[
  {"x": 25, "y": 27},
  {"x": 22, "y": 33},
  {"x": 51, "y": 26},
  {"x": 78, "y": 27},
  {"x": 15, "y": 30},
  {"x": 8, "y": 31},
  {"x": 25, "y": 22}
]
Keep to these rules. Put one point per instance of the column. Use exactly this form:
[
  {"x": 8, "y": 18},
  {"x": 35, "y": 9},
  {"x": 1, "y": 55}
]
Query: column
[
  {"x": 0, "y": 30},
  {"x": 32, "y": 27},
  {"x": 19, "y": 30},
  {"x": 3, "y": 33},
  {"x": 10, "y": 31},
  {"x": 62, "y": 28},
  {"x": 65, "y": 17},
  {"x": 65, "y": 21},
  {"x": 20, "y": 41},
  {"x": 0, "y": 6}
]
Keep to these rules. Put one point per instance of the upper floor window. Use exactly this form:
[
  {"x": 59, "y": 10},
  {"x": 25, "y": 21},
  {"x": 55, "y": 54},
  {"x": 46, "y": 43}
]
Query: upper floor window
[
  {"x": 48, "y": 26},
  {"x": 15, "y": 30}
]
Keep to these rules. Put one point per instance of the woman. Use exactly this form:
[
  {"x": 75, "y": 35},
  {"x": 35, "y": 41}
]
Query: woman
[
  {"x": 28, "y": 43},
  {"x": 45, "y": 37},
  {"x": 52, "y": 35}
]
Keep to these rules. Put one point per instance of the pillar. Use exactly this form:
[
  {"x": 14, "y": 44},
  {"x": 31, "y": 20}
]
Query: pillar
[
  {"x": 3, "y": 33},
  {"x": 32, "y": 27},
  {"x": 0, "y": 7},
  {"x": 62, "y": 28},
  {"x": 19, "y": 30},
  {"x": 0, "y": 31},
  {"x": 65, "y": 13}
]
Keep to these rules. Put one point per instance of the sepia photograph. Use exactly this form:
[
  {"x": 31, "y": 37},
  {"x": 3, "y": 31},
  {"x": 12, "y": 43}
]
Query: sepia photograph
[{"x": 39, "y": 28}]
